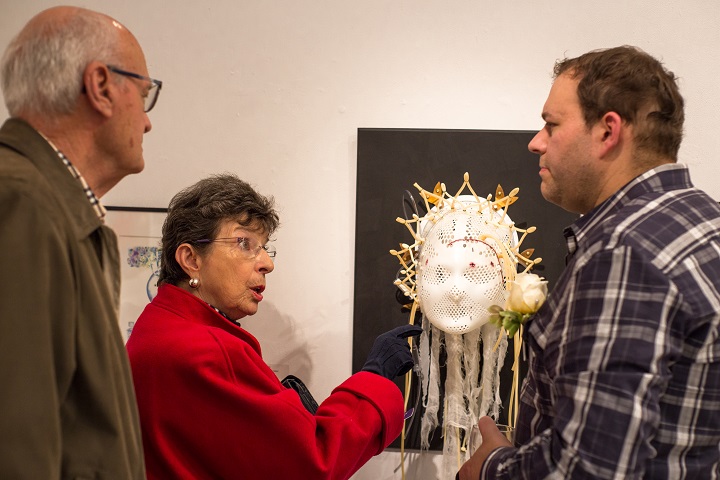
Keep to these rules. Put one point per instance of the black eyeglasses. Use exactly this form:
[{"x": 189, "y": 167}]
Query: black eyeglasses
[
  {"x": 153, "y": 92},
  {"x": 250, "y": 247}
]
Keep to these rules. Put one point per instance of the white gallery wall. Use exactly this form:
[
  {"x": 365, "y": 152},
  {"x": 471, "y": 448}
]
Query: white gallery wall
[{"x": 275, "y": 91}]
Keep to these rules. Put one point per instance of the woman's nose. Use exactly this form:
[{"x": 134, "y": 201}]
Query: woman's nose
[{"x": 265, "y": 263}]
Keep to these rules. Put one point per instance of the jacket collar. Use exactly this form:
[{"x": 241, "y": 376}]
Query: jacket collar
[
  {"x": 193, "y": 309},
  {"x": 18, "y": 135}
]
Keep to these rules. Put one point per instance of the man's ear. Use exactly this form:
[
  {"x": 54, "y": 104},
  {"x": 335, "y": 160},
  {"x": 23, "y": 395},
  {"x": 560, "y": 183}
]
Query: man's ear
[
  {"x": 610, "y": 133},
  {"x": 98, "y": 88},
  {"x": 188, "y": 259}
]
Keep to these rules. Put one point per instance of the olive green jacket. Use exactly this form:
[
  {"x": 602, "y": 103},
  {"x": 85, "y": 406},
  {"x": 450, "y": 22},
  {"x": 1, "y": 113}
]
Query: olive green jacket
[{"x": 67, "y": 406}]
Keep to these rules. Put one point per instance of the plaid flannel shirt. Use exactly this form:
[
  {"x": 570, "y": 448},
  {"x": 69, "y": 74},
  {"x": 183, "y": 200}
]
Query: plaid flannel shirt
[{"x": 624, "y": 375}]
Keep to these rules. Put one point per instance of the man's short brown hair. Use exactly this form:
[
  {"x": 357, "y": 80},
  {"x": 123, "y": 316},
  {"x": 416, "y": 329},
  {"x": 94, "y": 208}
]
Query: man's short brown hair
[{"x": 636, "y": 86}]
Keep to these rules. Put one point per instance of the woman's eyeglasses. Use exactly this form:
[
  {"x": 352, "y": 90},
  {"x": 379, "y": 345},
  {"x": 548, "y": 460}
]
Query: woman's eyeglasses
[{"x": 249, "y": 246}]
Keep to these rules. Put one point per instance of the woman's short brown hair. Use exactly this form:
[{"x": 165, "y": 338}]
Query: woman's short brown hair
[{"x": 198, "y": 211}]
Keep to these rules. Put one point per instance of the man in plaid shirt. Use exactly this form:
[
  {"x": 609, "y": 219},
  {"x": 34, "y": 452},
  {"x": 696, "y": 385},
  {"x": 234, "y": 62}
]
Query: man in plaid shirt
[{"x": 624, "y": 373}]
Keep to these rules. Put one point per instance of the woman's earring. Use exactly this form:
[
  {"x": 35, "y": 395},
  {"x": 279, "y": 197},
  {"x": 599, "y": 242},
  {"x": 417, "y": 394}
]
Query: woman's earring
[{"x": 194, "y": 283}]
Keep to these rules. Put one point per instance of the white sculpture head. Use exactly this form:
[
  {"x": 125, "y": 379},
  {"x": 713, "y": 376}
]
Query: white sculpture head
[
  {"x": 464, "y": 255},
  {"x": 460, "y": 271}
]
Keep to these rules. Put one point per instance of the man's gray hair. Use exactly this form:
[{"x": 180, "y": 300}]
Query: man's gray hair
[{"x": 42, "y": 68}]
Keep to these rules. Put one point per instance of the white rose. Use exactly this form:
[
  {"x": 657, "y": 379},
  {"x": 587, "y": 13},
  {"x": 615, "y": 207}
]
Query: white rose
[{"x": 527, "y": 293}]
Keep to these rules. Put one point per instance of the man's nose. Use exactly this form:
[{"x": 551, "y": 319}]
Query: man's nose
[{"x": 538, "y": 143}]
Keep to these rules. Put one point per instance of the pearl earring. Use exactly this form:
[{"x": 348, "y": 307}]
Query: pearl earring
[{"x": 194, "y": 283}]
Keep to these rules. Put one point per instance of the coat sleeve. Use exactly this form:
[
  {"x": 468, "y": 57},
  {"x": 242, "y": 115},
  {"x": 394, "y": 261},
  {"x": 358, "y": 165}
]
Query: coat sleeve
[
  {"x": 36, "y": 331},
  {"x": 228, "y": 416}
]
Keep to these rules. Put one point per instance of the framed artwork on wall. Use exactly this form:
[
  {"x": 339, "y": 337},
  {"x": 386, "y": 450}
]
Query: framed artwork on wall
[{"x": 139, "y": 232}]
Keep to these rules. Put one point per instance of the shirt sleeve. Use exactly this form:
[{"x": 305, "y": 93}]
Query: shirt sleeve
[{"x": 607, "y": 357}]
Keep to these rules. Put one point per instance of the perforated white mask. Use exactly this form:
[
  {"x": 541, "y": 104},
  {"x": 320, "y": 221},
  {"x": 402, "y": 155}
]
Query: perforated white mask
[
  {"x": 460, "y": 269},
  {"x": 464, "y": 253}
]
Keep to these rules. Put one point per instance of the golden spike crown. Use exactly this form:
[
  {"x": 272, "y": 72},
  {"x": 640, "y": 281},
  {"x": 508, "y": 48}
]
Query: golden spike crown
[{"x": 438, "y": 202}]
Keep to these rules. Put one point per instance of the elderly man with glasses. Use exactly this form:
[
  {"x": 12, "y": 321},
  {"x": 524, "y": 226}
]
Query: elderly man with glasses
[{"x": 75, "y": 84}]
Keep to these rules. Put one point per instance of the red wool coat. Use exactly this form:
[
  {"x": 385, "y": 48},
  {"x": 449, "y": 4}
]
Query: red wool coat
[{"x": 211, "y": 408}]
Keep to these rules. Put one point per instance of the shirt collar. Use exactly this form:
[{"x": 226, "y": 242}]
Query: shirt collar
[
  {"x": 664, "y": 178},
  {"x": 222, "y": 314},
  {"x": 92, "y": 198}
]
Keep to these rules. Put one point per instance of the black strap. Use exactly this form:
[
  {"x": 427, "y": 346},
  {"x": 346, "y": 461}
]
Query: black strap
[{"x": 291, "y": 381}]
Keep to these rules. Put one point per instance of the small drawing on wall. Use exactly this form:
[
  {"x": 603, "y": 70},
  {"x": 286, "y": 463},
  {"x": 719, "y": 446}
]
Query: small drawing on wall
[
  {"x": 144, "y": 256},
  {"x": 139, "y": 232}
]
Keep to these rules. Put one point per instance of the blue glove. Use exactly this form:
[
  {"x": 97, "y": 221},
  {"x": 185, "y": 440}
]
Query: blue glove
[{"x": 390, "y": 354}]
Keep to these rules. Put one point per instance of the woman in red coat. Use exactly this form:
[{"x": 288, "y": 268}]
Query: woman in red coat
[{"x": 210, "y": 407}]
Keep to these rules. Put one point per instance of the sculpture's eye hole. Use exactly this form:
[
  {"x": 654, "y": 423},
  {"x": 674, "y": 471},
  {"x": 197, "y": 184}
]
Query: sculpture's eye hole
[{"x": 436, "y": 275}]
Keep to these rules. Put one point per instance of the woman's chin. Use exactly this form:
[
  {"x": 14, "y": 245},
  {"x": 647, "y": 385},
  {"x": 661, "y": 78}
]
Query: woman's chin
[{"x": 245, "y": 313}]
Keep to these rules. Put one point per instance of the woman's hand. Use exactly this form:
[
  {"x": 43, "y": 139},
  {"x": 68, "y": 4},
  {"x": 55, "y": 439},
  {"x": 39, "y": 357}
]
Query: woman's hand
[{"x": 390, "y": 354}]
